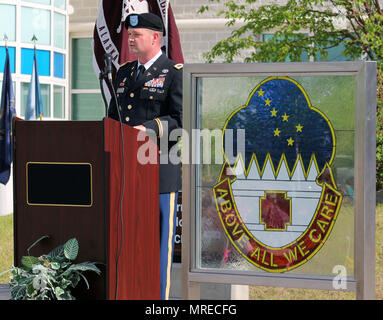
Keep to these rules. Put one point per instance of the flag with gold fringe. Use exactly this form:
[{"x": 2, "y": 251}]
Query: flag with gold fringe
[{"x": 7, "y": 113}]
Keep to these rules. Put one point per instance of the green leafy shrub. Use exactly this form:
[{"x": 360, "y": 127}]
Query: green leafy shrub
[
  {"x": 50, "y": 276},
  {"x": 355, "y": 25}
]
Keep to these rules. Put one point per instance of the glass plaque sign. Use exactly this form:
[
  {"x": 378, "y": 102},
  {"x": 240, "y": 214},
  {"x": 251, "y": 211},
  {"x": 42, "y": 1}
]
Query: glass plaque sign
[{"x": 279, "y": 174}]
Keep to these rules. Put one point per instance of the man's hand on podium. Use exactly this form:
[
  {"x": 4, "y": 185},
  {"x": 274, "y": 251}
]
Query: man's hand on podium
[{"x": 140, "y": 127}]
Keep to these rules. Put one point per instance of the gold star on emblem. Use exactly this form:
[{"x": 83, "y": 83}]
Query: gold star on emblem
[
  {"x": 277, "y": 132},
  {"x": 285, "y": 117},
  {"x": 299, "y": 128},
  {"x": 290, "y": 141},
  {"x": 273, "y": 112},
  {"x": 267, "y": 102},
  {"x": 260, "y": 93}
]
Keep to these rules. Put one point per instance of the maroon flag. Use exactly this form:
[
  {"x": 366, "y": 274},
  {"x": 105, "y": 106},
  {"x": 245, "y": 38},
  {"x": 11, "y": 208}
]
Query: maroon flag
[{"x": 110, "y": 35}]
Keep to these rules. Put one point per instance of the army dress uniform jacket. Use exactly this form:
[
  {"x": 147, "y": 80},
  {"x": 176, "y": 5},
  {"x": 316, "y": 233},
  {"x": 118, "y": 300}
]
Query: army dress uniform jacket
[{"x": 155, "y": 101}]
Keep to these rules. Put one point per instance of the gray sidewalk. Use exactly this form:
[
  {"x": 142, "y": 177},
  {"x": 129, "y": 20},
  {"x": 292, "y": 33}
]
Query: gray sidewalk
[{"x": 5, "y": 292}]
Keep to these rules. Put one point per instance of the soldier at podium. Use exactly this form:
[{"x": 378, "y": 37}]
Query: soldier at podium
[{"x": 149, "y": 94}]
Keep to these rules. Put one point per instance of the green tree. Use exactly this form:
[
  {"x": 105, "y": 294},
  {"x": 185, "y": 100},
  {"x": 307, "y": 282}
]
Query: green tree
[{"x": 300, "y": 27}]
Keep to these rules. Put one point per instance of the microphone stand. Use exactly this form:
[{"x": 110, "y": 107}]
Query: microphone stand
[
  {"x": 107, "y": 76},
  {"x": 103, "y": 75}
]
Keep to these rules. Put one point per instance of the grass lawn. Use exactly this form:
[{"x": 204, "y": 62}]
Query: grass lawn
[
  {"x": 6, "y": 246},
  {"x": 258, "y": 293}
]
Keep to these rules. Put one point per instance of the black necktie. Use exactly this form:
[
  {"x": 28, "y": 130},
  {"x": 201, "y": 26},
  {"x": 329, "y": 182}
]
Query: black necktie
[{"x": 141, "y": 71}]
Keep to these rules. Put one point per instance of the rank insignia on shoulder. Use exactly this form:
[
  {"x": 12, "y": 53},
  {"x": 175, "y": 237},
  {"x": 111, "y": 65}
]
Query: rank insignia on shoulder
[
  {"x": 123, "y": 64},
  {"x": 178, "y": 66}
]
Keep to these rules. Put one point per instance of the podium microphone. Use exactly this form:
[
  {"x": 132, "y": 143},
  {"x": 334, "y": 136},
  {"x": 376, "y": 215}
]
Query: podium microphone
[
  {"x": 108, "y": 66},
  {"x": 106, "y": 73}
]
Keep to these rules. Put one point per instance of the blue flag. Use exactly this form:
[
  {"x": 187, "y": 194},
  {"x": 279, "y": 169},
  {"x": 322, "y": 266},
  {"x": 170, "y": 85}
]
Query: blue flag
[
  {"x": 7, "y": 113},
  {"x": 34, "y": 108}
]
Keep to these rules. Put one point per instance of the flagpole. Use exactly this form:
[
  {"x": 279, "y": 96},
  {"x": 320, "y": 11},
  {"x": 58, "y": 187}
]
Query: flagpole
[
  {"x": 167, "y": 27},
  {"x": 5, "y": 39},
  {"x": 34, "y": 39}
]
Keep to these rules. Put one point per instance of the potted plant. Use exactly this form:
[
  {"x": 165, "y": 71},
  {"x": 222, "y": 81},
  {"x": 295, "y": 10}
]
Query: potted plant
[{"x": 50, "y": 276}]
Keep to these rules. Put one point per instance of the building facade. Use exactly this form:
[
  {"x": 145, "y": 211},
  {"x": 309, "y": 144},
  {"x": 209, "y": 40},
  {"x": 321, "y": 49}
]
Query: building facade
[
  {"x": 64, "y": 32},
  {"x": 198, "y": 34},
  {"x": 47, "y": 21},
  {"x": 24, "y": 26}
]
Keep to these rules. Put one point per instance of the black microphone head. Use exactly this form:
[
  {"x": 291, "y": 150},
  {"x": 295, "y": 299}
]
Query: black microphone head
[{"x": 108, "y": 62}]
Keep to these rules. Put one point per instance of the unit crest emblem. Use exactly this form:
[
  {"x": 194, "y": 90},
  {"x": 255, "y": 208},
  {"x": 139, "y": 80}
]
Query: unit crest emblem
[{"x": 278, "y": 200}]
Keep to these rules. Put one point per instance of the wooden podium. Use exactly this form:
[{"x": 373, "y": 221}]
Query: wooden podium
[{"x": 68, "y": 183}]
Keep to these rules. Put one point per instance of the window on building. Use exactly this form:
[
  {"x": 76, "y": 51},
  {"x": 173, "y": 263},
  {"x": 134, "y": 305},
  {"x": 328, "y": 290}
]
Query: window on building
[
  {"x": 43, "y": 61},
  {"x": 59, "y": 65},
  {"x": 59, "y": 102},
  {"x": 304, "y": 55},
  {"x": 39, "y": 1},
  {"x": 11, "y": 51},
  {"x": 334, "y": 54},
  {"x": 61, "y": 4},
  {"x": 45, "y": 95},
  {"x": 36, "y": 22},
  {"x": 59, "y": 30},
  {"x": 86, "y": 100},
  {"x": 8, "y": 21},
  {"x": 47, "y": 20}
]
